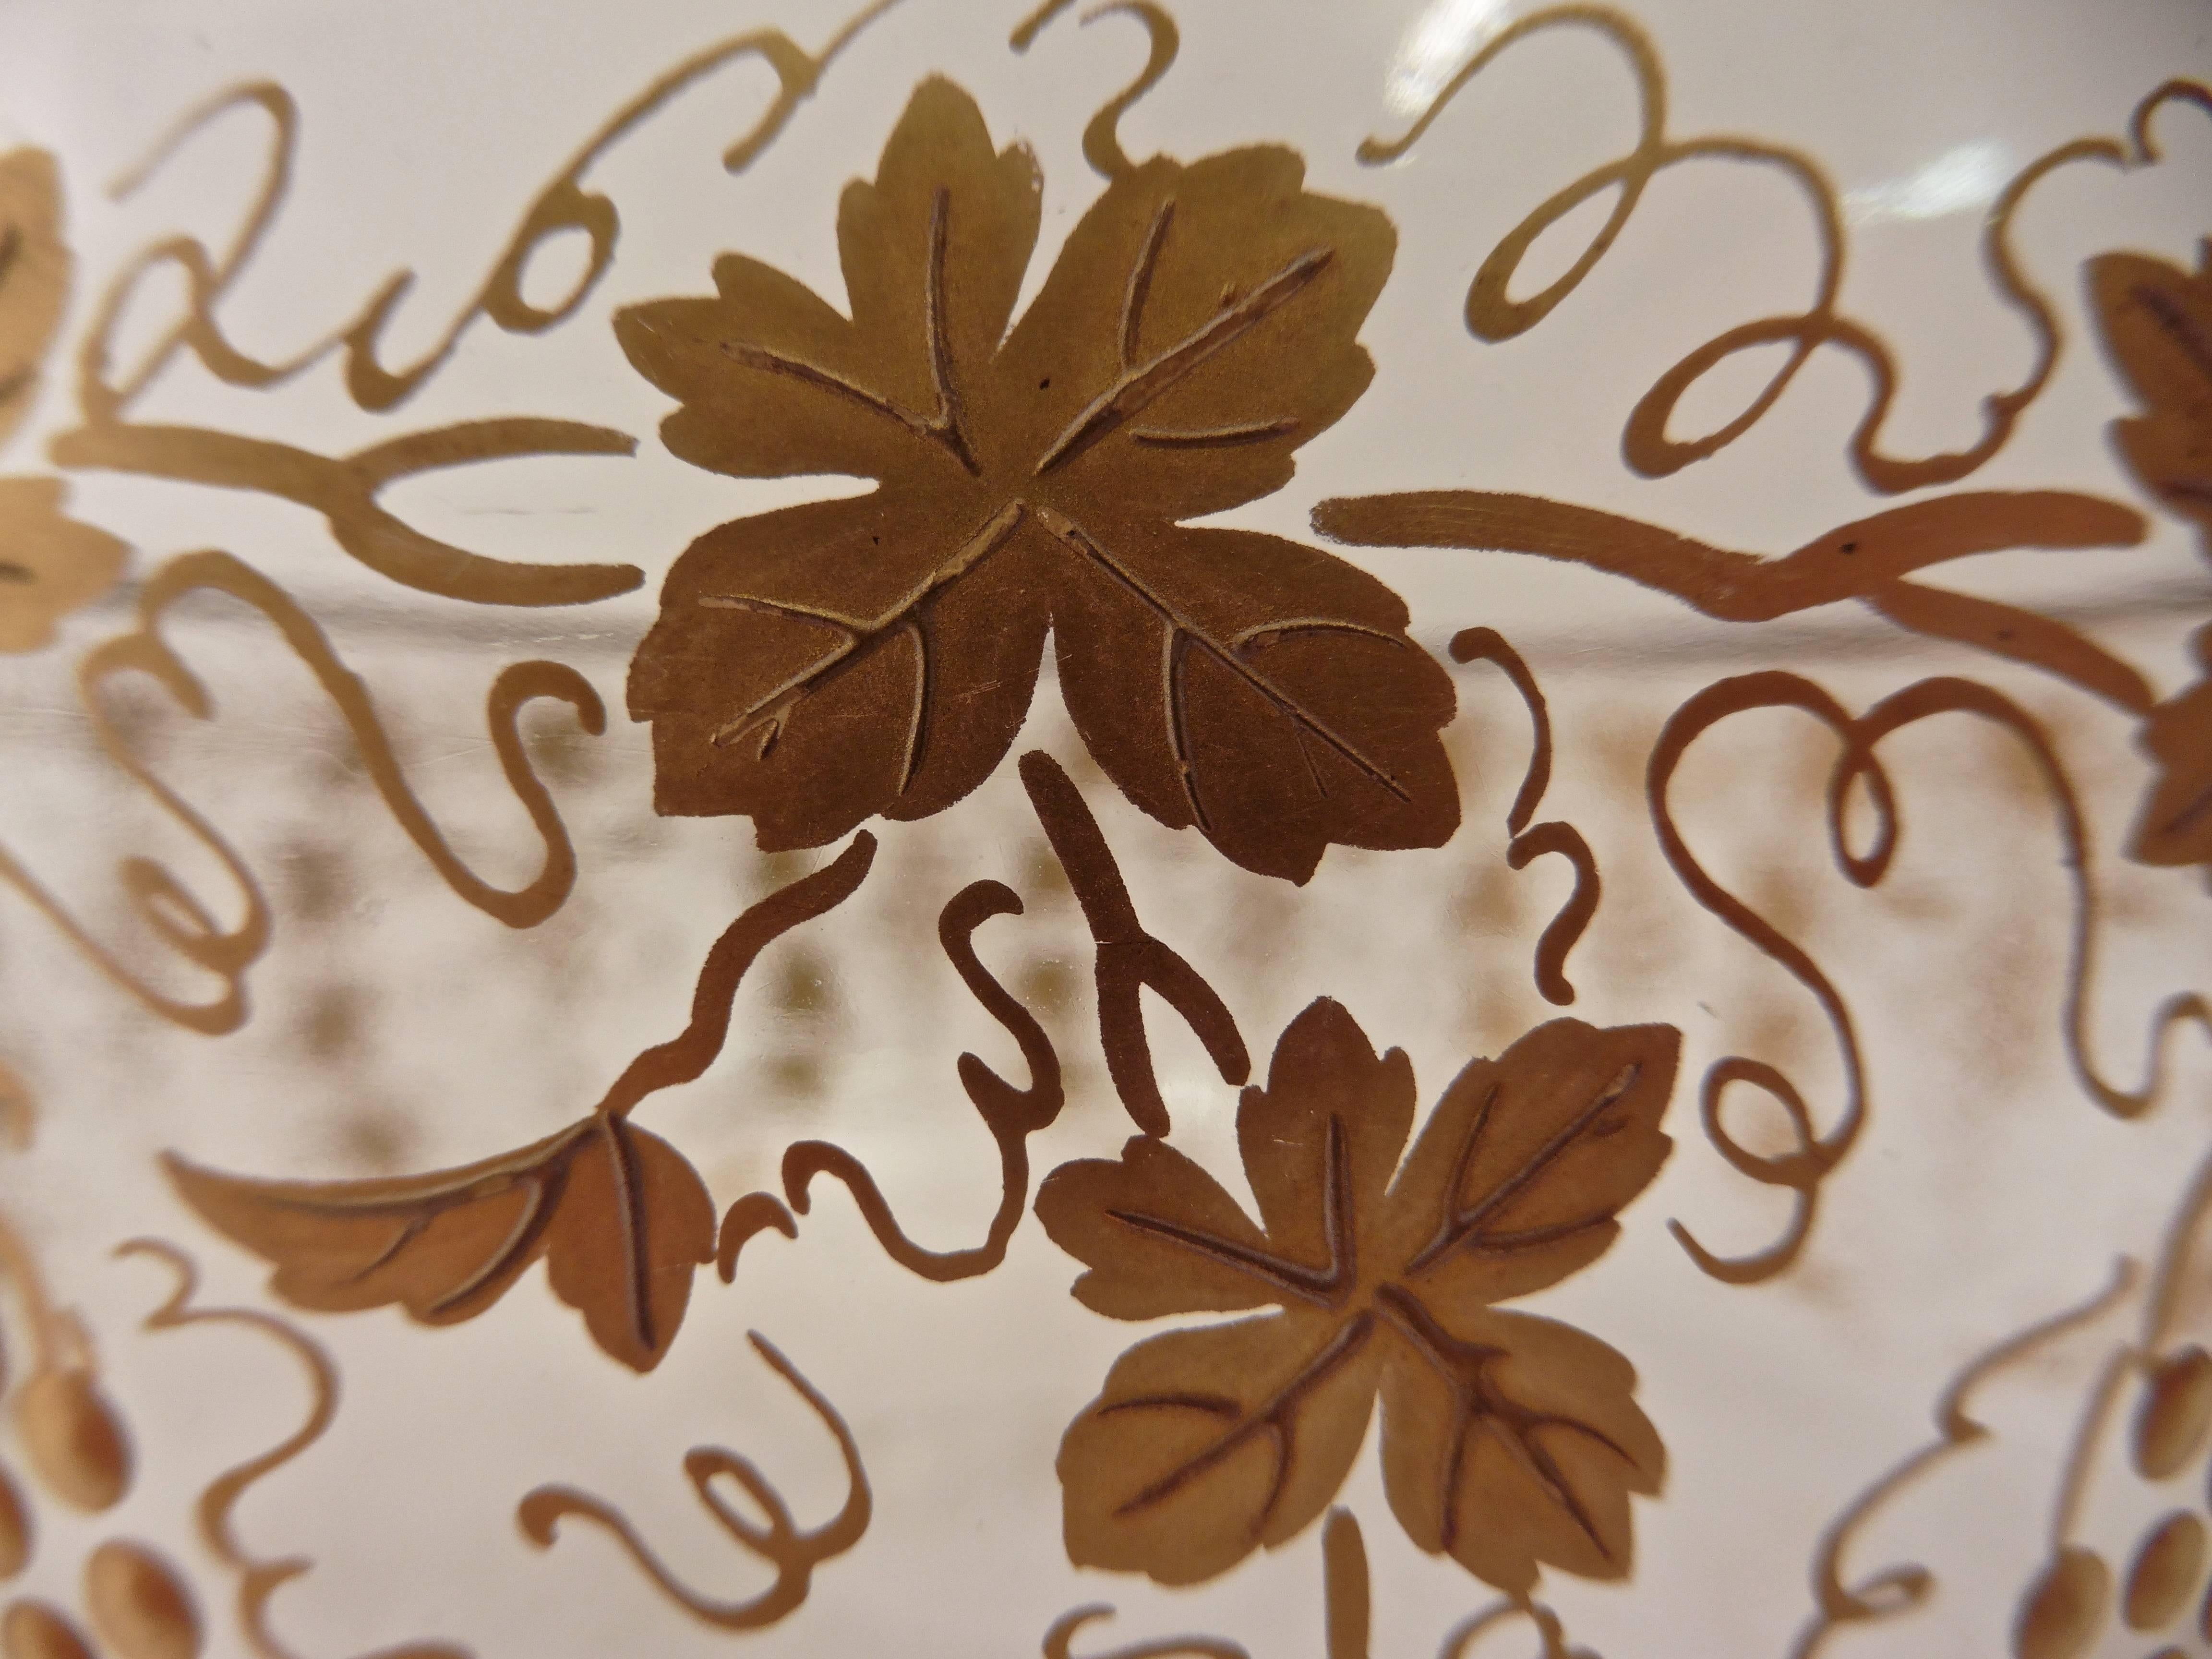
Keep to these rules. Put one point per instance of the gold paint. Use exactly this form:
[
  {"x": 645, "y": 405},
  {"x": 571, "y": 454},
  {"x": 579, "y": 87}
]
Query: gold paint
[
  {"x": 161, "y": 899},
  {"x": 2176, "y": 1412},
  {"x": 34, "y": 277},
  {"x": 2174, "y": 826},
  {"x": 1346, "y": 1598},
  {"x": 794, "y": 1553},
  {"x": 19, "y": 1109},
  {"x": 1492, "y": 316},
  {"x": 140, "y": 1607},
  {"x": 2064, "y": 1608},
  {"x": 259, "y": 1578},
  {"x": 76, "y": 1444},
  {"x": 1898, "y": 1590},
  {"x": 37, "y": 1630},
  {"x": 1801, "y": 1170},
  {"x": 1101, "y": 143},
  {"x": 51, "y": 564},
  {"x": 2168, "y": 1567},
  {"x": 1205, "y": 1443},
  {"x": 1868, "y": 560},
  {"x": 1011, "y": 1114},
  {"x": 1530, "y": 843},
  {"x": 15, "y": 1532},
  {"x": 824, "y": 663},
  {"x": 344, "y": 489},
  {"x": 1129, "y": 958},
  {"x": 2157, "y": 322},
  {"x": 620, "y": 1217}
]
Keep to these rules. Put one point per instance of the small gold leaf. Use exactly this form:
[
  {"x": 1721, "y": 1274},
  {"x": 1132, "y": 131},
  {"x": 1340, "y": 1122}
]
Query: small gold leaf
[
  {"x": 140, "y": 1607},
  {"x": 2176, "y": 1411},
  {"x": 77, "y": 1447},
  {"x": 2064, "y": 1608},
  {"x": 2165, "y": 1569},
  {"x": 35, "y": 1629},
  {"x": 623, "y": 1217}
]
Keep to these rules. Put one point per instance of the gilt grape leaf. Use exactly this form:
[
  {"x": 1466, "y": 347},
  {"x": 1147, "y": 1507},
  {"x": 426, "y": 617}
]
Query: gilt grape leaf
[
  {"x": 620, "y": 1218},
  {"x": 2156, "y": 319},
  {"x": 1509, "y": 1441},
  {"x": 821, "y": 664}
]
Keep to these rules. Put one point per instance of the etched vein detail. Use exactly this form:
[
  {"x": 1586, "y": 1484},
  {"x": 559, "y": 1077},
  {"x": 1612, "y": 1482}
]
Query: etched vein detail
[
  {"x": 1036, "y": 477},
  {"x": 1509, "y": 1441}
]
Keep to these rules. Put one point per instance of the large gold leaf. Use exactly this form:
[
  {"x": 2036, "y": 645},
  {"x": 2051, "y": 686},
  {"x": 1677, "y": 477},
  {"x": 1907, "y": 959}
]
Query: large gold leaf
[
  {"x": 816, "y": 665},
  {"x": 621, "y": 1218},
  {"x": 1508, "y": 1441}
]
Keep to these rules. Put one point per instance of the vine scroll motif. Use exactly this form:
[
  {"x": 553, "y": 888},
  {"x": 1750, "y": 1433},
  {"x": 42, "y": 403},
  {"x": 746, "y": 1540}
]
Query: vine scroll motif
[
  {"x": 170, "y": 910},
  {"x": 1554, "y": 836},
  {"x": 1129, "y": 959},
  {"x": 794, "y": 1551},
  {"x": 1509, "y": 1440},
  {"x": 33, "y": 261},
  {"x": 1801, "y": 1170},
  {"x": 1492, "y": 316},
  {"x": 2066, "y": 1605},
  {"x": 620, "y": 1215},
  {"x": 1870, "y": 559},
  {"x": 344, "y": 489},
  {"x": 1346, "y": 1616},
  {"x": 259, "y": 1578}
]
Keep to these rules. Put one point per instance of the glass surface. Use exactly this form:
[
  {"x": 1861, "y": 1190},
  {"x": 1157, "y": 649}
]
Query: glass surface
[{"x": 1616, "y": 599}]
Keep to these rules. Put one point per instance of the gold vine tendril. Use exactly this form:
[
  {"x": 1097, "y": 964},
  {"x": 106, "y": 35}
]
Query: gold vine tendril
[
  {"x": 344, "y": 489},
  {"x": 1529, "y": 844},
  {"x": 259, "y": 1578},
  {"x": 1102, "y": 140},
  {"x": 1492, "y": 316},
  {"x": 162, "y": 901},
  {"x": 1802, "y": 1169},
  {"x": 1129, "y": 959},
  {"x": 1870, "y": 560},
  {"x": 517, "y": 684},
  {"x": 2063, "y": 1604},
  {"x": 1346, "y": 1616},
  {"x": 1011, "y": 1114},
  {"x": 1897, "y": 1590},
  {"x": 793, "y": 1554}
]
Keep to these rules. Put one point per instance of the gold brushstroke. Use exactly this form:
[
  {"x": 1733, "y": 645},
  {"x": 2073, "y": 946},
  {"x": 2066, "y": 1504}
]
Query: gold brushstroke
[
  {"x": 1530, "y": 842},
  {"x": 344, "y": 489},
  {"x": 1346, "y": 1598},
  {"x": 1011, "y": 1114},
  {"x": 1129, "y": 959},
  {"x": 620, "y": 1217},
  {"x": 74, "y": 1440},
  {"x": 1493, "y": 316},
  {"x": 1802, "y": 1169},
  {"x": 259, "y": 1578},
  {"x": 1102, "y": 140},
  {"x": 794, "y": 1553},
  {"x": 1868, "y": 560},
  {"x": 1898, "y": 1590},
  {"x": 171, "y": 910}
]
